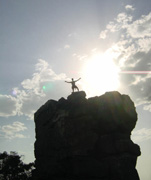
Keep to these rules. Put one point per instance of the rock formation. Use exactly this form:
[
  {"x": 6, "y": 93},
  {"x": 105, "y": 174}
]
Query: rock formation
[{"x": 86, "y": 139}]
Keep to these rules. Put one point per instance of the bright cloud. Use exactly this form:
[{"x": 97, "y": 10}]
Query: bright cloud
[
  {"x": 129, "y": 7},
  {"x": 80, "y": 57},
  {"x": 123, "y": 18},
  {"x": 8, "y": 106},
  {"x": 36, "y": 88},
  {"x": 13, "y": 130},
  {"x": 147, "y": 107},
  {"x": 121, "y": 22},
  {"x": 140, "y": 28},
  {"x": 33, "y": 92},
  {"x": 132, "y": 52},
  {"x": 44, "y": 73},
  {"x": 144, "y": 44},
  {"x": 103, "y": 34},
  {"x": 140, "y": 135}
]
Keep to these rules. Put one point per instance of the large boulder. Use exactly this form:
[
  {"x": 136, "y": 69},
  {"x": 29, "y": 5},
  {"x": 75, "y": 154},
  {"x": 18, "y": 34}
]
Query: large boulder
[{"x": 79, "y": 138}]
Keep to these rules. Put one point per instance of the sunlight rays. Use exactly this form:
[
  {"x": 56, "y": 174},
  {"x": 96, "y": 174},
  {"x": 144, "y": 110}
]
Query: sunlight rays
[{"x": 100, "y": 74}]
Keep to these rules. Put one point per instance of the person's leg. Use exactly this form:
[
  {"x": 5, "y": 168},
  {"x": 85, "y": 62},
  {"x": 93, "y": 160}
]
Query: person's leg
[
  {"x": 72, "y": 89},
  {"x": 77, "y": 88}
]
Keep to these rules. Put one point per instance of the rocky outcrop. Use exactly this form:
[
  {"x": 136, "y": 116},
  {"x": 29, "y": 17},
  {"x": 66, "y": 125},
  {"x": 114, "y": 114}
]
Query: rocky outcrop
[{"x": 86, "y": 139}]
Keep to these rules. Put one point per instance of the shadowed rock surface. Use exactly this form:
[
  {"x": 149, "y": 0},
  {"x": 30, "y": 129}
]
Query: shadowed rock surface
[{"x": 86, "y": 139}]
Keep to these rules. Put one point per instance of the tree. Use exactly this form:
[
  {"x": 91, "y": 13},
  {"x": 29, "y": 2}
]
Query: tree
[{"x": 12, "y": 167}]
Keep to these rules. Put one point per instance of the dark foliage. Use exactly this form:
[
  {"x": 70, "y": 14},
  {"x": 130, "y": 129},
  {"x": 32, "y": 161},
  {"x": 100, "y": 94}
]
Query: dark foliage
[{"x": 13, "y": 168}]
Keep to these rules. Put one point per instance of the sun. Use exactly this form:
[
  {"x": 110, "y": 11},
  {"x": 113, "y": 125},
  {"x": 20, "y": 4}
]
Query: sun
[{"x": 100, "y": 74}]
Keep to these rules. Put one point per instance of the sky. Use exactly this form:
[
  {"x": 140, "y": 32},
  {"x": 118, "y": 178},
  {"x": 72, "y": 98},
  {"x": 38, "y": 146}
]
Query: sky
[{"x": 45, "y": 42}]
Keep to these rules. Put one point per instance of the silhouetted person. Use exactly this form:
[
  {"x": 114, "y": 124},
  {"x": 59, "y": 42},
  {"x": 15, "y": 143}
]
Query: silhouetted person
[{"x": 73, "y": 84}]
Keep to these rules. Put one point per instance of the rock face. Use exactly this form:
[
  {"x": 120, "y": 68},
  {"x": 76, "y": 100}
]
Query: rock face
[{"x": 86, "y": 139}]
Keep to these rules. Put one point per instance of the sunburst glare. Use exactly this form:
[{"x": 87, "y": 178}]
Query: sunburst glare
[{"x": 100, "y": 74}]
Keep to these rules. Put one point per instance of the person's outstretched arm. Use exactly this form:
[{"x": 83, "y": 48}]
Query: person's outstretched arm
[
  {"x": 77, "y": 79},
  {"x": 67, "y": 82}
]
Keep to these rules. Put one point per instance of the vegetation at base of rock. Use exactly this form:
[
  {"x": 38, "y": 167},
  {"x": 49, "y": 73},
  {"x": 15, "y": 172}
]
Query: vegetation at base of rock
[{"x": 13, "y": 168}]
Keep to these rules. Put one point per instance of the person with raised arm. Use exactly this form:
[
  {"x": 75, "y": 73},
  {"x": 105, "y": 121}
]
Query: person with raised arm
[{"x": 73, "y": 84}]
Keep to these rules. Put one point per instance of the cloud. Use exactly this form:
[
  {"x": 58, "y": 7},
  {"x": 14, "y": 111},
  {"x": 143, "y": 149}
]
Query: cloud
[
  {"x": 147, "y": 107},
  {"x": 129, "y": 7},
  {"x": 38, "y": 88},
  {"x": 67, "y": 46},
  {"x": 144, "y": 44},
  {"x": 80, "y": 57},
  {"x": 123, "y": 19},
  {"x": 120, "y": 22},
  {"x": 8, "y": 105},
  {"x": 103, "y": 34},
  {"x": 44, "y": 74},
  {"x": 140, "y": 28},
  {"x": 131, "y": 52},
  {"x": 141, "y": 135},
  {"x": 33, "y": 92},
  {"x": 13, "y": 130}
]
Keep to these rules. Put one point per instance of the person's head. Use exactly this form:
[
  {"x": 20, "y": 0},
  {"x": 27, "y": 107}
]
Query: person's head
[{"x": 72, "y": 79}]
